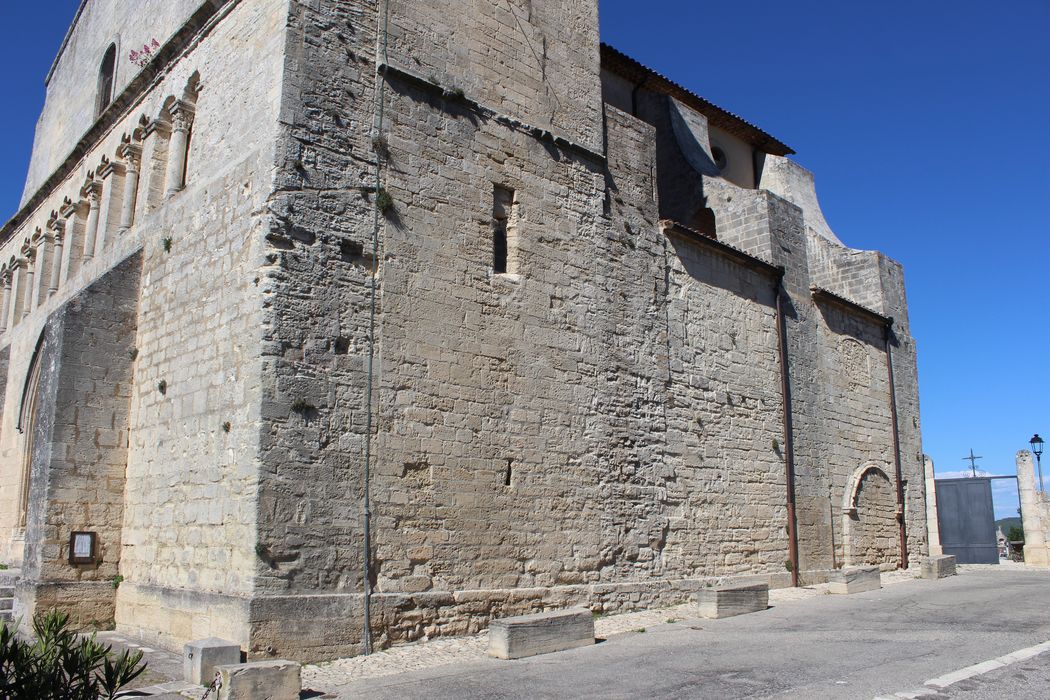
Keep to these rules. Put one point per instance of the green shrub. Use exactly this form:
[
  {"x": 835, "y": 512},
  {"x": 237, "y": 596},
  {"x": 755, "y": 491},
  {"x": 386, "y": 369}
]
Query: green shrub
[{"x": 62, "y": 665}]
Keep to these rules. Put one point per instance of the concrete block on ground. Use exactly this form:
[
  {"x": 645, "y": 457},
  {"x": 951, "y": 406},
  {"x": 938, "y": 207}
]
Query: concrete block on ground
[
  {"x": 541, "y": 633},
  {"x": 726, "y": 601},
  {"x": 940, "y": 566},
  {"x": 200, "y": 657},
  {"x": 261, "y": 680},
  {"x": 855, "y": 579}
]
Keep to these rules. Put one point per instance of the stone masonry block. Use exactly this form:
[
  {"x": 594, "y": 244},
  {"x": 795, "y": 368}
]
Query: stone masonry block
[
  {"x": 727, "y": 601},
  {"x": 540, "y": 633},
  {"x": 261, "y": 680},
  {"x": 940, "y": 566},
  {"x": 200, "y": 657},
  {"x": 855, "y": 579}
]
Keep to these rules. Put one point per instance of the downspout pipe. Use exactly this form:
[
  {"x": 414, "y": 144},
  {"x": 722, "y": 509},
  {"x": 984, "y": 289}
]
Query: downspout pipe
[
  {"x": 382, "y": 60},
  {"x": 896, "y": 445},
  {"x": 788, "y": 429}
]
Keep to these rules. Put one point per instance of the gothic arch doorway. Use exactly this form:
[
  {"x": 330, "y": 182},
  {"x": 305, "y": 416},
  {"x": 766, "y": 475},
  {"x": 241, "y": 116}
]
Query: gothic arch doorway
[{"x": 869, "y": 517}]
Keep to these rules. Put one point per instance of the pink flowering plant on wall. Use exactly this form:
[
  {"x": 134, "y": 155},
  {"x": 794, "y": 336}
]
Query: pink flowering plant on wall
[{"x": 141, "y": 58}]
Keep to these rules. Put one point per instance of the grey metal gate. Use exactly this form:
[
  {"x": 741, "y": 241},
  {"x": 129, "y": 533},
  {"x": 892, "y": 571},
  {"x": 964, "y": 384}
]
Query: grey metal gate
[{"x": 967, "y": 520}]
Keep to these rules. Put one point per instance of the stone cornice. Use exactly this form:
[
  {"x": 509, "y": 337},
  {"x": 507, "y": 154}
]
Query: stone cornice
[
  {"x": 821, "y": 294},
  {"x": 726, "y": 250}
]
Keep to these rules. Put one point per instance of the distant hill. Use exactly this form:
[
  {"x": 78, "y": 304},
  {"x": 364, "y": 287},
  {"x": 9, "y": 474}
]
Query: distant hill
[{"x": 1007, "y": 523}]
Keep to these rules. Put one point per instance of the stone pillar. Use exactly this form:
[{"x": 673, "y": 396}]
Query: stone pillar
[
  {"x": 933, "y": 529},
  {"x": 57, "y": 230},
  {"x": 39, "y": 243},
  {"x": 29, "y": 252},
  {"x": 16, "y": 287},
  {"x": 93, "y": 192},
  {"x": 181, "y": 120},
  {"x": 7, "y": 300},
  {"x": 1034, "y": 513},
  {"x": 70, "y": 228},
  {"x": 110, "y": 177},
  {"x": 131, "y": 155}
]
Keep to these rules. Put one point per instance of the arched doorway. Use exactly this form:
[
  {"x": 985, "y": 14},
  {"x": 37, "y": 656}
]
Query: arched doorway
[
  {"x": 869, "y": 529},
  {"x": 27, "y": 417}
]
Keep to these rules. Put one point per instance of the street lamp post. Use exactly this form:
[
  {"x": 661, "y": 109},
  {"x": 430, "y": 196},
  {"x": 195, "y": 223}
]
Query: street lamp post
[{"x": 1037, "y": 448}]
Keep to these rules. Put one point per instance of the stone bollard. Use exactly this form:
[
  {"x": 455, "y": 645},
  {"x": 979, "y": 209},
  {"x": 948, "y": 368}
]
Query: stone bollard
[
  {"x": 855, "y": 579},
  {"x": 739, "y": 599},
  {"x": 528, "y": 635},
  {"x": 940, "y": 566},
  {"x": 260, "y": 680},
  {"x": 200, "y": 657}
]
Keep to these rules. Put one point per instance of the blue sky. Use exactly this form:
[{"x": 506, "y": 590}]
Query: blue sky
[{"x": 925, "y": 124}]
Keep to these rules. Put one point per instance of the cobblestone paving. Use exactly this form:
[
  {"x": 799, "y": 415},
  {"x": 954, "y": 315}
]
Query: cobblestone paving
[{"x": 441, "y": 652}]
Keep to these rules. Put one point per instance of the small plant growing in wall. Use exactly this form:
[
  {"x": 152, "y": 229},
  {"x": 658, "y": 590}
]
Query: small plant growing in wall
[
  {"x": 117, "y": 580},
  {"x": 384, "y": 202},
  {"x": 302, "y": 406},
  {"x": 133, "y": 353},
  {"x": 167, "y": 244},
  {"x": 162, "y": 386},
  {"x": 788, "y": 565},
  {"x": 263, "y": 552},
  {"x": 776, "y": 445},
  {"x": 141, "y": 58},
  {"x": 226, "y": 427}
]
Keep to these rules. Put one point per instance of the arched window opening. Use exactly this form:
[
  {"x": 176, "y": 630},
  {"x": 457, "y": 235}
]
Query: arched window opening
[{"x": 105, "y": 79}]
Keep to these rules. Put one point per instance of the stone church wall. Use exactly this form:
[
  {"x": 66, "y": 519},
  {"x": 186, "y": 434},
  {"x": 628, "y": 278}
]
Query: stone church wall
[
  {"x": 78, "y": 422},
  {"x": 599, "y": 421},
  {"x": 188, "y": 543}
]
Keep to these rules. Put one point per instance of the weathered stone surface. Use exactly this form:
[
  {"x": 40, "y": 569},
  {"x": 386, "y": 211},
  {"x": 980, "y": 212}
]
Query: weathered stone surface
[
  {"x": 940, "y": 566},
  {"x": 540, "y": 633},
  {"x": 727, "y": 601},
  {"x": 855, "y": 579},
  {"x": 201, "y": 657},
  {"x": 602, "y": 425},
  {"x": 261, "y": 680},
  {"x": 1035, "y": 512}
]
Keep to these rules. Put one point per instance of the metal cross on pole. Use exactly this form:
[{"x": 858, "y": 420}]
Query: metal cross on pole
[{"x": 973, "y": 462}]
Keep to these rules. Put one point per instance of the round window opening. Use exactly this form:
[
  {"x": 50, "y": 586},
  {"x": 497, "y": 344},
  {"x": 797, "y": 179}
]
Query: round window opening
[{"x": 719, "y": 157}]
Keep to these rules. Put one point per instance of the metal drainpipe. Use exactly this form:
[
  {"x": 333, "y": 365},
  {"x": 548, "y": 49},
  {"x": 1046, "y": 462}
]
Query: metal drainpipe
[
  {"x": 896, "y": 445},
  {"x": 789, "y": 441},
  {"x": 382, "y": 60}
]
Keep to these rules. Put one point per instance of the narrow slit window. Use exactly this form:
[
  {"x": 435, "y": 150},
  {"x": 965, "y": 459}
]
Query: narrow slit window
[
  {"x": 504, "y": 231},
  {"x": 105, "y": 79}
]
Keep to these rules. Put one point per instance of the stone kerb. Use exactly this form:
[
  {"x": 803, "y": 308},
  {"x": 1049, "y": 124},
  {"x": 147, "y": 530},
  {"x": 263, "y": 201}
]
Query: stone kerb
[
  {"x": 730, "y": 600},
  {"x": 855, "y": 579},
  {"x": 540, "y": 633},
  {"x": 260, "y": 680},
  {"x": 940, "y": 566}
]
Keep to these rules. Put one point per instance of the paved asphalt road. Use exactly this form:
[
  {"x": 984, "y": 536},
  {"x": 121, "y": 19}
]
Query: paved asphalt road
[{"x": 859, "y": 646}]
